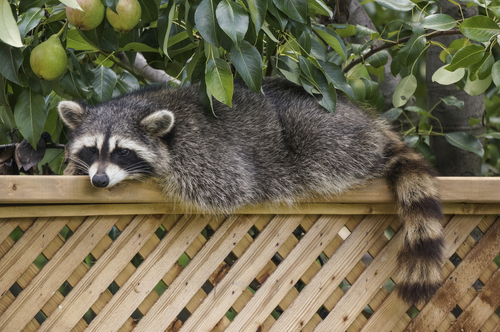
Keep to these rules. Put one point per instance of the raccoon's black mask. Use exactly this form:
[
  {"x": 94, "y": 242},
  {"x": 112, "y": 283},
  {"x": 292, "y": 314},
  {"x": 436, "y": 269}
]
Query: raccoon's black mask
[{"x": 106, "y": 153}]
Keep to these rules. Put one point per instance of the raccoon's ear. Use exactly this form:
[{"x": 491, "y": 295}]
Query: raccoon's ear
[
  {"x": 72, "y": 113},
  {"x": 158, "y": 123}
]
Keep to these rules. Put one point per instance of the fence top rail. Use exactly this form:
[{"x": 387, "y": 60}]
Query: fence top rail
[{"x": 78, "y": 190}]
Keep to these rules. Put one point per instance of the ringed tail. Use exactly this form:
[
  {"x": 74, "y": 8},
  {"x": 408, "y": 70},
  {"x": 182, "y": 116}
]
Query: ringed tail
[{"x": 419, "y": 208}]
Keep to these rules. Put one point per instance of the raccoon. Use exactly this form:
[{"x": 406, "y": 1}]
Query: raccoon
[{"x": 277, "y": 146}]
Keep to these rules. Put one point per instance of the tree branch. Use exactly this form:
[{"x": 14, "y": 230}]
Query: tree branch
[{"x": 400, "y": 41}]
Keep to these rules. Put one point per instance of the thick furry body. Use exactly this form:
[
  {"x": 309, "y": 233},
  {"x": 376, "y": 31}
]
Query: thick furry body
[{"x": 278, "y": 146}]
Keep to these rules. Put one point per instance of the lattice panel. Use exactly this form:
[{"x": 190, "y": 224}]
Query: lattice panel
[{"x": 238, "y": 273}]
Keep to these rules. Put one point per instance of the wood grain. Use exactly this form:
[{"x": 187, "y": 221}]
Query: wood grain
[{"x": 78, "y": 190}]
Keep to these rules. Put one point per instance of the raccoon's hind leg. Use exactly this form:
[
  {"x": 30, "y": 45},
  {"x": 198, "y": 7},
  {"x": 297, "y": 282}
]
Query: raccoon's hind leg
[{"x": 419, "y": 208}]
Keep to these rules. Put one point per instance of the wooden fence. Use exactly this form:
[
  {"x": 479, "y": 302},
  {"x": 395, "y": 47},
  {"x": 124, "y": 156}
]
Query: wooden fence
[{"x": 77, "y": 258}]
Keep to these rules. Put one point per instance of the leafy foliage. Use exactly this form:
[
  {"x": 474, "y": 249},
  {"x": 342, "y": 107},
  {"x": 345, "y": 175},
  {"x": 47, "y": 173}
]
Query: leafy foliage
[{"x": 212, "y": 42}]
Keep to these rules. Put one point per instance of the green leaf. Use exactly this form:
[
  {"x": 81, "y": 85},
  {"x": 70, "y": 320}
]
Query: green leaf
[
  {"x": 477, "y": 87},
  {"x": 405, "y": 88},
  {"x": 482, "y": 69},
  {"x": 453, "y": 101},
  {"x": 165, "y": 22},
  {"x": 76, "y": 41},
  {"x": 206, "y": 22},
  {"x": 479, "y": 28},
  {"x": 465, "y": 142},
  {"x": 104, "y": 83},
  {"x": 420, "y": 111},
  {"x": 412, "y": 49},
  {"x": 392, "y": 114},
  {"x": 295, "y": 9},
  {"x": 138, "y": 47},
  {"x": 248, "y": 62},
  {"x": 440, "y": 22},
  {"x": 72, "y": 4},
  {"x": 258, "y": 10},
  {"x": 30, "y": 114},
  {"x": 318, "y": 7},
  {"x": 336, "y": 76},
  {"x": 233, "y": 20},
  {"x": 30, "y": 20},
  {"x": 9, "y": 32},
  {"x": 333, "y": 39},
  {"x": 362, "y": 31},
  {"x": 399, "y": 5},
  {"x": 379, "y": 59},
  {"x": 445, "y": 77},
  {"x": 466, "y": 56},
  {"x": 495, "y": 73},
  {"x": 11, "y": 60},
  {"x": 125, "y": 84},
  {"x": 329, "y": 101},
  {"x": 219, "y": 80},
  {"x": 112, "y": 4},
  {"x": 371, "y": 88},
  {"x": 149, "y": 10}
]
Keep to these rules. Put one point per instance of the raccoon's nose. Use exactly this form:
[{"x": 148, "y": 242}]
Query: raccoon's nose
[{"x": 100, "y": 180}]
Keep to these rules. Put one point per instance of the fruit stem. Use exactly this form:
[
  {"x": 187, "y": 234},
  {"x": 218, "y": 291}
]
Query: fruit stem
[{"x": 61, "y": 31}]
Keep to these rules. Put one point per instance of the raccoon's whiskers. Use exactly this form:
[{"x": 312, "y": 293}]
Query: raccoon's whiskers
[{"x": 80, "y": 164}]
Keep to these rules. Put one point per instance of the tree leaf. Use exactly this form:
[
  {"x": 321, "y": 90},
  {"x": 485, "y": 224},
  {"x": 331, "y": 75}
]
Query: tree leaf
[
  {"x": 318, "y": 7},
  {"x": 445, "y": 77},
  {"x": 379, "y": 59},
  {"x": 405, "y": 88},
  {"x": 104, "y": 83},
  {"x": 329, "y": 101},
  {"x": 392, "y": 114},
  {"x": 165, "y": 22},
  {"x": 482, "y": 69},
  {"x": 219, "y": 80},
  {"x": 258, "y": 10},
  {"x": 248, "y": 62},
  {"x": 206, "y": 21},
  {"x": 453, "y": 101},
  {"x": 76, "y": 41},
  {"x": 440, "y": 22},
  {"x": 30, "y": 20},
  {"x": 125, "y": 84},
  {"x": 72, "y": 4},
  {"x": 333, "y": 39},
  {"x": 466, "y": 56},
  {"x": 138, "y": 47},
  {"x": 149, "y": 10},
  {"x": 412, "y": 49},
  {"x": 399, "y": 5},
  {"x": 479, "y": 28},
  {"x": 495, "y": 73},
  {"x": 295, "y": 9},
  {"x": 11, "y": 60},
  {"x": 9, "y": 32},
  {"x": 336, "y": 76},
  {"x": 233, "y": 20},
  {"x": 465, "y": 142},
  {"x": 30, "y": 114},
  {"x": 477, "y": 87}
]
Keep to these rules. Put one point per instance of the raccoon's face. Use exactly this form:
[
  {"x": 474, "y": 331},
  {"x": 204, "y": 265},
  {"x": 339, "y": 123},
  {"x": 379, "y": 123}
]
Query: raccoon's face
[{"x": 109, "y": 148}]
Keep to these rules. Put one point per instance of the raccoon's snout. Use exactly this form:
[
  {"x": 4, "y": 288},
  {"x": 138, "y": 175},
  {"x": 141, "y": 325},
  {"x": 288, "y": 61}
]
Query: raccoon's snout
[{"x": 100, "y": 180}]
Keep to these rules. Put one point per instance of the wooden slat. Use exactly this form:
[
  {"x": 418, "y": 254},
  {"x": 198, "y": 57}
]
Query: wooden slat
[
  {"x": 457, "y": 284},
  {"x": 24, "y": 251},
  {"x": 327, "y": 279},
  {"x": 152, "y": 269},
  {"x": 55, "y": 272},
  {"x": 172, "y": 208},
  {"x": 192, "y": 278},
  {"x": 225, "y": 293},
  {"x": 373, "y": 278},
  {"x": 6, "y": 227},
  {"x": 481, "y": 308},
  {"x": 286, "y": 275},
  {"x": 393, "y": 307},
  {"x": 87, "y": 291},
  {"x": 77, "y": 189}
]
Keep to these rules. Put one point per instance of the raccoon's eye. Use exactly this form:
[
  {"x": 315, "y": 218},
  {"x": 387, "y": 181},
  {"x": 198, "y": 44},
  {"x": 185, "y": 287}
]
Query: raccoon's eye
[
  {"x": 92, "y": 150},
  {"x": 123, "y": 152}
]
